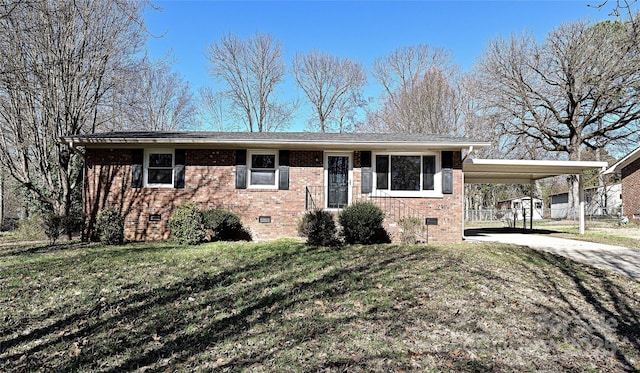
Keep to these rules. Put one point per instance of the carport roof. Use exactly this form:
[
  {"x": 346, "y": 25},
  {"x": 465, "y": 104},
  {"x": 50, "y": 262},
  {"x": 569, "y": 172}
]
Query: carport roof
[{"x": 506, "y": 171}]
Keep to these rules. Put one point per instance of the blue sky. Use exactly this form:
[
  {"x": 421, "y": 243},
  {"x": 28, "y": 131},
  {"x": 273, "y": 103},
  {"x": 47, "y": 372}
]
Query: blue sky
[{"x": 360, "y": 30}]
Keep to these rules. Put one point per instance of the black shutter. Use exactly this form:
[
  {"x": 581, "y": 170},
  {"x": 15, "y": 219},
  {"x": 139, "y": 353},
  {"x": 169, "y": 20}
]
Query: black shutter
[
  {"x": 365, "y": 159},
  {"x": 382, "y": 172},
  {"x": 366, "y": 172},
  {"x": 428, "y": 172},
  {"x": 241, "y": 169},
  {"x": 447, "y": 172},
  {"x": 137, "y": 162},
  {"x": 283, "y": 170},
  {"x": 178, "y": 181}
]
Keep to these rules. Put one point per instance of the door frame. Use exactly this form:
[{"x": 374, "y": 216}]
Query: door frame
[{"x": 328, "y": 154}]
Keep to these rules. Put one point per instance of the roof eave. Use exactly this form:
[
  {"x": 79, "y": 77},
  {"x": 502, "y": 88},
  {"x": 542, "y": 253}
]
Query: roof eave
[{"x": 317, "y": 144}]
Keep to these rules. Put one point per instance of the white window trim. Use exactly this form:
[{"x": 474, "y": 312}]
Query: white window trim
[
  {"x": 249, "y": 168},
  {"x": 437, "y": 186},
  {"x": 147, "y": 153},
  {"x": 327, "y": 154}
]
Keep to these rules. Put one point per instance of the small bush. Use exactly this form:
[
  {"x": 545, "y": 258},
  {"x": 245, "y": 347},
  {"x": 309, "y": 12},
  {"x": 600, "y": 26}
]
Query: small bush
[
  {"x": 110, "y": 227},
  {"x": 362, "y": 224},
  {"x": 319, "y": 227},
  {"x": 411, "y": 228},
  {"x": 72, "y": 223},
  {"x": 223, "y": 225},
  {"x": 186, "y": 224},
  {"x": 53, "y": 225}
]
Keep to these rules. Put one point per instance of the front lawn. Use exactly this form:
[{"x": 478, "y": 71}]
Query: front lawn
[{"x": 282, "y": 306}]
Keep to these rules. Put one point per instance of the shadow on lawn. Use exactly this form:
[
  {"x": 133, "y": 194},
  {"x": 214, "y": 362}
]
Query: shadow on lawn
[
  {"x": 174, "y": 324},
  {"x": 160, "y": 313},
  {"x": 616, "y": 307}
]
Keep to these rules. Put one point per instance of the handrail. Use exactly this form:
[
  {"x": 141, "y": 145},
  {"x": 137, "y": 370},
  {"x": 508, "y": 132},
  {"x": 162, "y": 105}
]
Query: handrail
[
  {"x": 309, "y": 202},
  {"x": 394, "y": 208}
]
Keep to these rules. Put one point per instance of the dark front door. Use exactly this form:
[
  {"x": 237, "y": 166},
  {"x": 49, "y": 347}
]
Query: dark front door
[{"x": 338, "y": 174}]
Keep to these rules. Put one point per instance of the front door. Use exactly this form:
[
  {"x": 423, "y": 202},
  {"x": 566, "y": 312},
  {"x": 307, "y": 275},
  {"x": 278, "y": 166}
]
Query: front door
[{"x": 338, "y": 181}]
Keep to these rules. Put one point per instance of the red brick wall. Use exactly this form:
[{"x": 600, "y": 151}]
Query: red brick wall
[
  {"x": 210, "y": 182},
  {"x": 448, "y": 209},
  {"x": 631, "y": 190}
]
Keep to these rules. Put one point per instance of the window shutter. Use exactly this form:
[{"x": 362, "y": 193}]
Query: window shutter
[
  {"x": 178, "y": 180},
  {"x": 283, "y": 170},
  {"x": 428, "y": 172},
  {"x": 382, "y": 172},
  {"x": 366, "y": 172},
  {"x": 241, "y": 169},
  {"x": 137, "y": 162},
  {"x": 447, "y": 172}
]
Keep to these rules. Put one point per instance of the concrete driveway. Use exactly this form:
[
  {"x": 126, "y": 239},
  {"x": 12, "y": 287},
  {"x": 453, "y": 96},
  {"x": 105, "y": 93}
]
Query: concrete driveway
[{"x": 615, "y": 258}]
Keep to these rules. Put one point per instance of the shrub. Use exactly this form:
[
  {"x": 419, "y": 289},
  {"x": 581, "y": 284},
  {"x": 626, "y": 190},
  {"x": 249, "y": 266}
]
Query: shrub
[
  {"x": 223, "y": 225},
  {"x": 362, "y": 224},
  {"x": 110, "y": 227},
  {"x": 72, "y": 223},
  {"x": 319, "y": 227},
  {"x": 53, "y": 225},
  {"x": 186, "y": 224},
  {"x": 411, "y": 228}
]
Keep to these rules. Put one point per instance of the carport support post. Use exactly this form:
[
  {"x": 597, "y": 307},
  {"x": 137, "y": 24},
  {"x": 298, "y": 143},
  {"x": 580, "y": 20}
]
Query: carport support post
[
  {"x": 581, "y": 203},
  {"x": 532, "y": 187}
]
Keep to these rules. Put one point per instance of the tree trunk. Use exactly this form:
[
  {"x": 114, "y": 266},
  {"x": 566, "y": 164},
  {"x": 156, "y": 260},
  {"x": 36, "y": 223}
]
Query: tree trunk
[{"x": 1, "y": 199}]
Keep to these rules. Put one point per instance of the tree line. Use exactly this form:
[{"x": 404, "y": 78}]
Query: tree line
[{"x": 79, "y": 66}]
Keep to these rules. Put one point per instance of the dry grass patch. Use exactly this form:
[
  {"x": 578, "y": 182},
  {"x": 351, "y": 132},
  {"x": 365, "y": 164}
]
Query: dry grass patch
[{"x": 282, "y": 306}]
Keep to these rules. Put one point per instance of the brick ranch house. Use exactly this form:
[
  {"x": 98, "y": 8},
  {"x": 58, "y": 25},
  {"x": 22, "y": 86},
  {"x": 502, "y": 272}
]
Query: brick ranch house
[
  {"x": 628, "y": 167},
  {"x": 271, "y": 179}
]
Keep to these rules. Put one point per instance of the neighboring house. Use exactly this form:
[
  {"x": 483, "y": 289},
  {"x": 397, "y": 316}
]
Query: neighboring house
[
  {"x": 271, "y": 179},
  {"x": 599, "y": 202},
  {"x": 517, "y": 208},
  {"x": 629, "y": 170}
]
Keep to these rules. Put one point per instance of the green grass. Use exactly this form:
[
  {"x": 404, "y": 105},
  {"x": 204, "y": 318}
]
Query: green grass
[
  {"x": 598, "y": 237},
  {"x": 282, "y": 306}
]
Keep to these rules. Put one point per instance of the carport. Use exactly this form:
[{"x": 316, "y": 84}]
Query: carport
[{"x": 506, "y": 171}]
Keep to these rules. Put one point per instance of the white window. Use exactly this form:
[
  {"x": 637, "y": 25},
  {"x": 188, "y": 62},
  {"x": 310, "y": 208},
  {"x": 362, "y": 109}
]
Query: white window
[
  {"x": 408, "y": 174},
  {"x": 158, "y": 168},
  {"x": 263, "y": 169}
]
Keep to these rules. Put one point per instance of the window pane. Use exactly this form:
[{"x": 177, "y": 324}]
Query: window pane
[
  {"x": 428, "y": 172},
  {"x": 160, "y": 176},
  {"x": 263, "y": 161},
  {"x": 263, "y": 177},
  {"x": 382, "y": 171},
  {"x": 405, "y": 172},
  {"x": 160, "y": 160}
]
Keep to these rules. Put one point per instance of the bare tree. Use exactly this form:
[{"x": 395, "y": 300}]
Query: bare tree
[
  {"x": 2, "y": 196},
  {"x": 346, "y": 113},
  {"x": 576, "y": 90},
  {"x": 212, "y": 110},
  {"x": 331, "y": 84},
  {"x": 420, "y": 93},
  {"x": 618, "y": 8},
  {"x": 159, "y": 99},
  {"x": 58, "y": 62},
  {"x": 252, "y": 69}
]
